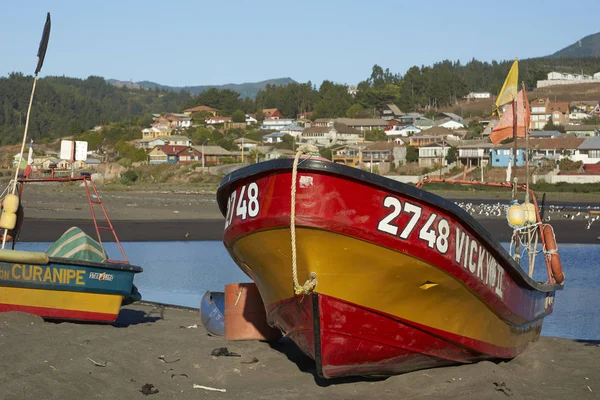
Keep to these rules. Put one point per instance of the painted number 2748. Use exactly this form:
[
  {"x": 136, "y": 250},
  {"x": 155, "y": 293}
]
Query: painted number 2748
[
  {"x": 247, "y": 204},
  {"x": 436, "y": 237}
]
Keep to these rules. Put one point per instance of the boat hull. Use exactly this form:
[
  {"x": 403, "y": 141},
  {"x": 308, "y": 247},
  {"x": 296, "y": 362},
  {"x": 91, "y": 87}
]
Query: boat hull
[
  {"x": 405, "y": 280},
  {"x": 66, "y": 289}
]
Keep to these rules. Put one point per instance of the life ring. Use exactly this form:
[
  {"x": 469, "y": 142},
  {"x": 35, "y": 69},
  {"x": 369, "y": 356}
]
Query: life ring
[{"x": 552, "y": 251}]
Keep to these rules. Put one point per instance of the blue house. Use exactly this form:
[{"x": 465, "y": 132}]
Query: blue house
[{"x": 502, "y": 155}]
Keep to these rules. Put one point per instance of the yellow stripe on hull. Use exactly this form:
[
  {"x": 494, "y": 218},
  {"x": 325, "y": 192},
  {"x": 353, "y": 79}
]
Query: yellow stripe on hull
[
  {"x": 372, "y": 276},
  {"x": 60, "y": 299}
]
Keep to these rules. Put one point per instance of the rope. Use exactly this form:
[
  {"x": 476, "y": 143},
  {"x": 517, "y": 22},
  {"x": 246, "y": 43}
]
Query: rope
[{"x": 311, "y": 283}]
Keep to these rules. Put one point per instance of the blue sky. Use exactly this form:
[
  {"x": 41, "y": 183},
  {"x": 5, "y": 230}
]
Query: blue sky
[{"x": 201, "y": 42}]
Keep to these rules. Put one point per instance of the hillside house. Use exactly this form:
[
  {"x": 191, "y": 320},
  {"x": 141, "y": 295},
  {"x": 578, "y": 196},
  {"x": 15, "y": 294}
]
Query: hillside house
[
  {"x": 451, "y": 124},
  {"x": 151, "y": 143},
  {"x": 272, "y": 113},
  {"x": 348, "y": 154},
  {"x": 165, "y": 154},
  {"x": 90, "y": 163},
  {"x": 279, "y": 153},
  {"x": 206, "y": 109},
  {"x": 215, "y": 155},
  {"x": 448, "y": 116},
  {"x": 539, "y": 114},
  {"x": 250, "y": 120},
  {"x": 364, "y": 124},
  {"x": 292, "y": 130},
  {"x": 559, "y": 113},
  {"x": 478, "y": 95},
  {"x": 178, "y": 121},
  {"x": 474, "y": 152},
  {"x": 328, "y": 135},
  {"x": 382, "y": 152},
  {"x": 155, "y": 131},
  {"x": 583, "y": 106},
  {"x": 215, "y": 120},
  {"x": 275, "y": 137},
  {"x": 588, "y": 152},
  {"x": 434, "y": 154},
  {"x": 583, "y": 130},
  {"x": 433, "y": 135},
  {"x": 501, "y": 156},
  {"x": 390, "y": 112},
  {"x": 276, "y": 123},
  {"x": 189, "y": 154},
  {"x": 404, "y": 131},
  {"x": 247, "y": 144}
]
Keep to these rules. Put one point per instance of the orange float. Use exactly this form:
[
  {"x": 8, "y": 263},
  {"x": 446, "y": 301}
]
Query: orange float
[
  {"x": 245, "y": 317},
  {"x": 551, "y": 247}
]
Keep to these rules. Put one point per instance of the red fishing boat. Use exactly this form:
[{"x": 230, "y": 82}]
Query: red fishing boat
[{"x": 398, "y": 278}]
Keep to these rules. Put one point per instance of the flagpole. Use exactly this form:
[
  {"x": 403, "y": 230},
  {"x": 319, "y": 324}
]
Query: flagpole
[
  {"x": 41, "y": 55},
  {"x": 514, "y": 171}
]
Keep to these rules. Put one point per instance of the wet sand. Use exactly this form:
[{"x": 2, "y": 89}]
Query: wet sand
[{"x": 149, "y": 345}]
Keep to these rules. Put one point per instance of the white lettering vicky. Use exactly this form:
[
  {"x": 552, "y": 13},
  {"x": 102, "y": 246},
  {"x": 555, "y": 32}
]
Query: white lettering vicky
[{"x": 475, "y": 259}]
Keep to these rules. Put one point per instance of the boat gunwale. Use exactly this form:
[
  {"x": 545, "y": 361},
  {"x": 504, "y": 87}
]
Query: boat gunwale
[
  {"x": 373, "y": 180},
  {"x": 93, "y": 264}
]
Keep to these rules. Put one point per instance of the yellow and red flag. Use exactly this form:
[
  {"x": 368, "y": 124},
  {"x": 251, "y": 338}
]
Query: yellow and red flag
[
  {"x": 507, "y": 126},
  {"x": 508, "y": 93}
]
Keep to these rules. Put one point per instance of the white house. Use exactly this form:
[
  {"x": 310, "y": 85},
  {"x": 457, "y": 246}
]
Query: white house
[
  {"x": 247, "y": 144},
  {"x": 217, "y": 120},
  {"x": 333, "y": 133},
  {"x": 293, "y": 130},
  {"x": 279, "y": 153},
  {"x": 276, "y": 124},
  {"x": 578, "y": 116},
  {"x": 434, "y": 153},
  {"x": 474, "y": 152},
  {"x": 478, "y": 95},
  {"x": 250, "y": 120},
  {"x": 404, "y": 131},
  {"x": 451, "y": 124},
  {"x": 588, "y": 152},
  {"x": 275, "y": 137}
]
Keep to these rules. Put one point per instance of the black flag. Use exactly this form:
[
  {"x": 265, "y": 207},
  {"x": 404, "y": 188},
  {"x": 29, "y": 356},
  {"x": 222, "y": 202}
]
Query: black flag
[{"x": 43, "y": 45}]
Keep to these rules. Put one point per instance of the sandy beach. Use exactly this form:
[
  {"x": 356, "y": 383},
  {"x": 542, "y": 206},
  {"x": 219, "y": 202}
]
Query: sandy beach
[
  {"x": 183, "y": 213},
  {"x": 169, "y": 349}
]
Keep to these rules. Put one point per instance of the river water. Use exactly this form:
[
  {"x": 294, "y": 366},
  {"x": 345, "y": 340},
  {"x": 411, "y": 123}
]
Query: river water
[{"x": 180, "y": 273}]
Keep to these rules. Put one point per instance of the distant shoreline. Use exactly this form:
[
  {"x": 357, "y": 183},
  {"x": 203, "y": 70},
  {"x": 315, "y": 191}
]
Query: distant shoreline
[{"x": 48, "y": 230}]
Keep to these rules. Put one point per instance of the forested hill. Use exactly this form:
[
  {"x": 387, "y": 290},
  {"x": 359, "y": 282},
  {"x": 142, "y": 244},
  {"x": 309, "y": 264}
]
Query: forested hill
[
  {"x": 485, "y": 76},
  {"x": 64, "y": 106},
  {"x": 247, "y": 89},
  {"x": 589, "y": 46}
]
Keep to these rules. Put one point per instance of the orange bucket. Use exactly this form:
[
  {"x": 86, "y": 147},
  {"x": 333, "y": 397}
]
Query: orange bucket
[{"x": 245, "y": 317}]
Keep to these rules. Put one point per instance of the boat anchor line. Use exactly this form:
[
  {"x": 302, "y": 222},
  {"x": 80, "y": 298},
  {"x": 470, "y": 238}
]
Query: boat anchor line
[{"x": 311, "y": 283}]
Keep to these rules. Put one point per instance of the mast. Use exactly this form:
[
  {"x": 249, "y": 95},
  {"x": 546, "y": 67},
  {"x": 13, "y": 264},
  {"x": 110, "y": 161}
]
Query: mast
[{"x": 41, "y": 55}]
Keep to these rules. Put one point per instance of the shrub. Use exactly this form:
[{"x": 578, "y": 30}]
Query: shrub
[{"x": 128, "y": 177}]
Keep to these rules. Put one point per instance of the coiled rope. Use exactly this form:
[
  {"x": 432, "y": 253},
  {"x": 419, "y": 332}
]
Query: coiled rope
[{"x": 311, "y": 283}]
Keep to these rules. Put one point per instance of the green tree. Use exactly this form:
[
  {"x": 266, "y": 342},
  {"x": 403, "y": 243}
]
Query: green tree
[
  {"x": 325, "y": 152},
  {"x": 412, "y": 154},
  {"x": 550, "y": 126},
  {"x": 375, "y": 135},
  {"x": 354, "y": 111},
  {"x": 238, "y": 116},
  {"x": 452, "y": 155}
]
